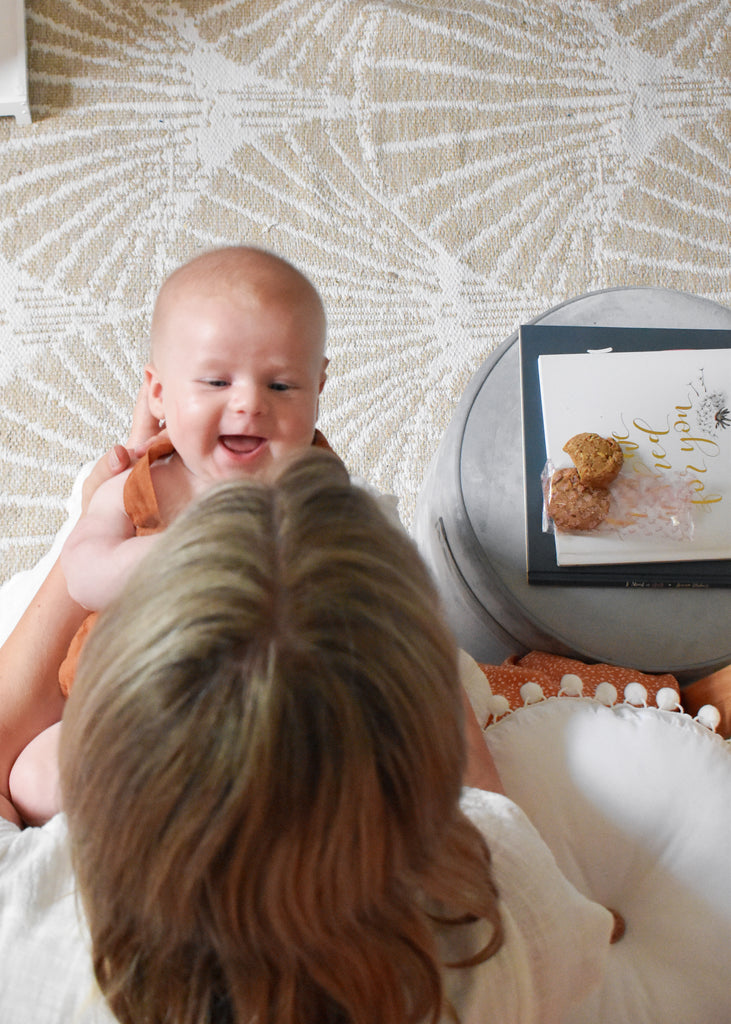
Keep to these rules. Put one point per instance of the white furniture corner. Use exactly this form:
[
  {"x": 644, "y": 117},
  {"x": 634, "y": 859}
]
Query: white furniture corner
[{"x": 13, "y": 69}]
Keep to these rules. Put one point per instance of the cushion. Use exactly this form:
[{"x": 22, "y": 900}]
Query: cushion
[
  {"x": 531, "y": 677},
  {"x": 634, "y": 803}
]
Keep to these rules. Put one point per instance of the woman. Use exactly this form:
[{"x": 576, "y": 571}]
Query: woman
[{"x": 261, "y": 765}]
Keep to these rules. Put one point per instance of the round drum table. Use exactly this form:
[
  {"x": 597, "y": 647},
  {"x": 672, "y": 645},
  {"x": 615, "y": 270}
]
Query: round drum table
[{"x": 470, "y": 526}]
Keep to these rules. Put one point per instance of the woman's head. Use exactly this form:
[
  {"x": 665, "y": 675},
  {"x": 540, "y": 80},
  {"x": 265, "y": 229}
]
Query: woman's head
[{"x": 261, "y": 762}]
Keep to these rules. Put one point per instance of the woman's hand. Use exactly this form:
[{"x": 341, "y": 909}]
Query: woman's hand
[{"x": 145, "y": 430}]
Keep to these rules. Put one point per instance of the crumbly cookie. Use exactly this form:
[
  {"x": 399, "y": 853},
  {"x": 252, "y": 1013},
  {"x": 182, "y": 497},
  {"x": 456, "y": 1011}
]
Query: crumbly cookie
[
  {"x": 598, "y": 460},
  {"x": 573, "y": 505}
]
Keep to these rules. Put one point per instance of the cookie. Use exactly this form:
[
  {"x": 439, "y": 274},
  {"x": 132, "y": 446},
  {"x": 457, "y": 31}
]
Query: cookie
[
  {"x": 573, "y": 505},
  {"x": 598, "y": 460}
]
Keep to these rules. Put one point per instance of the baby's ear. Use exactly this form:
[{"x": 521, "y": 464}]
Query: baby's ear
[
  {"x": 154, "y": 392},
  {"x": 323, "y": 372}
]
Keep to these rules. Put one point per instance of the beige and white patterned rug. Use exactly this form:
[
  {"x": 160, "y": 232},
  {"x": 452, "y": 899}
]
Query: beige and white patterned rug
[{"x": 443, "y": 170}]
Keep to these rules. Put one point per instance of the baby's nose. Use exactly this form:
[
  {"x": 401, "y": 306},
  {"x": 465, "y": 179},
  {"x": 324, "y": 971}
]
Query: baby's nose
[{"x": 247, "y": 398}]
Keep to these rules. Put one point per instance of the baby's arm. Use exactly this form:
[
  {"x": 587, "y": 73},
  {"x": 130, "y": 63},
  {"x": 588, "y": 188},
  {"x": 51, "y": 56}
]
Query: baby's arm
[
  {"x": 30, "y": 698},
  {"x": 102, "y": 549}
]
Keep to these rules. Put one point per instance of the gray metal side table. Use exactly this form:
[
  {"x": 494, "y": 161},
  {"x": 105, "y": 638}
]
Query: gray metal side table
[{"x": 470, "y": 526}]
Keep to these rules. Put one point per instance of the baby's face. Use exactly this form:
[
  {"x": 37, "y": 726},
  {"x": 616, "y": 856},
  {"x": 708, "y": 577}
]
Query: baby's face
[{"x": 237, "y": 380}]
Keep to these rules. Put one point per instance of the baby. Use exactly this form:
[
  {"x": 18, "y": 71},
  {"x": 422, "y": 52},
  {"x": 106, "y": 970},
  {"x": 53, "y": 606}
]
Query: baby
[{"x": 237, "y": 366}]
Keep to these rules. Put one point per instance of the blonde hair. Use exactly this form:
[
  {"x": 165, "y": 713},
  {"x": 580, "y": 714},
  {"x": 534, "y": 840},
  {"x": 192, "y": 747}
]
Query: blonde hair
[{"x": 261, "y": 763}]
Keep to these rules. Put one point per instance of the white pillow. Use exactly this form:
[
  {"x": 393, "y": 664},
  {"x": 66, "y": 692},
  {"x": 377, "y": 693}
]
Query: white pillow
[{"x": 636, "y": 806}]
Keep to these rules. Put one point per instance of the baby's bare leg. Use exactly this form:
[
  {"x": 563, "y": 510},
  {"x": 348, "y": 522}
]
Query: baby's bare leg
[
  {"x": 29, "y": 660},
  {"x": 34, "y": 784}
]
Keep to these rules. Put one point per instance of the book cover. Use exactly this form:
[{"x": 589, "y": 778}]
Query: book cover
[{"x": 665, "y": 396}]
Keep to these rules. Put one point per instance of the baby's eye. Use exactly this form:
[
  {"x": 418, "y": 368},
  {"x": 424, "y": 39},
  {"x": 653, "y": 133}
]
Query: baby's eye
[
  {"x": 279, "y": 386},
  {"x": 214, "y": 382}
]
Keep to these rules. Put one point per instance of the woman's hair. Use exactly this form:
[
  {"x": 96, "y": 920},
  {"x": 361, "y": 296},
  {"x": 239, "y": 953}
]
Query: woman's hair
[{"x": 261, "y": 762}]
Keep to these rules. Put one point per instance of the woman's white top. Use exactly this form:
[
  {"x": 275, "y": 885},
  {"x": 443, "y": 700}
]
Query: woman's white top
[{"x": 555, "y": 939}]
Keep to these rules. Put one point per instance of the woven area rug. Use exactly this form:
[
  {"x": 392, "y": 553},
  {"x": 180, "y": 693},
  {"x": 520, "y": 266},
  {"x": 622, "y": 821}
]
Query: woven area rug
[{"x": 442, "y": 170}]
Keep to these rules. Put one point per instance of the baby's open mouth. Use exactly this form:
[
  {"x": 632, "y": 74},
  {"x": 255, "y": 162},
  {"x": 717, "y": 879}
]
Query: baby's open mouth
[{"x": 241, "y": 444}]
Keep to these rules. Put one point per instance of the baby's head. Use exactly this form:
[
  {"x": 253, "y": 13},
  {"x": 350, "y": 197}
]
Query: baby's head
[
  {"x": 237, "y": 362},
  {"x": 261, "y": 764}
]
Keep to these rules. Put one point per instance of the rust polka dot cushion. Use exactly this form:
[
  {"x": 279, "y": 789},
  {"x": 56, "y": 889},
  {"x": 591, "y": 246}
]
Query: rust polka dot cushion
[{"x": 538, "y": 675}]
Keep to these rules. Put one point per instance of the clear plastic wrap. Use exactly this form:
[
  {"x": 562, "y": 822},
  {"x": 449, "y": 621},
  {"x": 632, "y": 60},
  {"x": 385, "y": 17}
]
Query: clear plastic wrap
[{"x": 643, "y": 505}]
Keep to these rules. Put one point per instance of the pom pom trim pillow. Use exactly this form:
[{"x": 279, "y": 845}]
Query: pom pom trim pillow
[{"x": 634, "y": 804}]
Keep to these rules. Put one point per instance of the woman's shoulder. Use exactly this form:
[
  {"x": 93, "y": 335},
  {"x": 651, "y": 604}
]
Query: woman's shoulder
[
  {"x": 496, "y": 816},
  {"x": 46, "y": 972},
  {"x": 556, "y": 940}
]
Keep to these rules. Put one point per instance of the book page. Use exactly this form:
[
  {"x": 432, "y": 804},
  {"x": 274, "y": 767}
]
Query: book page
[{"x": 671, "y": 413}]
